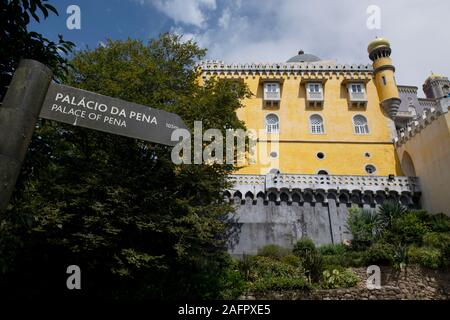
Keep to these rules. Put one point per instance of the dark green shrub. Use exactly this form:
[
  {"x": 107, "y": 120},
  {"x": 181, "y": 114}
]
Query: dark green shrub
[
  {"x": 423, "y": 215},
  {"x": 361, "y": 224},
  {"x": 380, "y": 254},
  {"x": 246, "y": 266},
  {"x": 425, "y": 256},
  {"x": 408, "y": 228},
  {"x": 279, "y": 284},
  {"x": 387, "y": 212},
  {"x": 263, "y": 267},
  {"x": 291, "y": 260},
  {"x": 303, "y": 247},
  {"x": 355, "y": 258},
  {"x": 338, "y": 278},
  {"x": 348, "y": 259},
  {"x": 440, "y": 223},
  {"x": 313, "y": 265},
  {"x": 341, "y": 255},
  {"x": 310, "y": 258},
  {"x": 333, "y": 249},
  {"x": 273, "y": 251},
  {"x": 437, "y": 240},
  {"x": 400, "y": 255},
  {"x": 233, "y": 282},
  {"x": 445, "y": 256},
  {"x": 266, "y": 273}
]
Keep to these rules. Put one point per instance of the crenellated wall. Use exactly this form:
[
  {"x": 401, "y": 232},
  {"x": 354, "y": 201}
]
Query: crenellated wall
[
  {"x": 423, "y": 148},
  {"x": 281, "y": 209}
]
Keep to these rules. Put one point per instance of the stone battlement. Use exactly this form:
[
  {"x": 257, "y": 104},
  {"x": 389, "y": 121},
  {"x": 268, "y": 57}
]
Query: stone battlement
[
  {"x": 283, "y": 208},
  {"x": 369, "y": 190},
  {"x": 216, "y": 67},
  {"x": 416, "y": 126}
]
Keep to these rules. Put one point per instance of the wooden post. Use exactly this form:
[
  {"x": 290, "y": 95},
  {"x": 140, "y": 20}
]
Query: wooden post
[{"x": 18, "y": 115}]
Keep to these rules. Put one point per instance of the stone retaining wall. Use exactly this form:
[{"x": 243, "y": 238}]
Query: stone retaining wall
[{"x": 414, "y": 283}]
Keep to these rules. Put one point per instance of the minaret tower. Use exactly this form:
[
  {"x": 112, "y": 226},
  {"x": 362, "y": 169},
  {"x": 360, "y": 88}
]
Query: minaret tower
[{"x": 380, "y": 53}]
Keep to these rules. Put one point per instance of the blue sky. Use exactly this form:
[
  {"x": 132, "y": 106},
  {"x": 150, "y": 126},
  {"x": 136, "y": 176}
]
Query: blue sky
[{"x": 273, "y": 30}]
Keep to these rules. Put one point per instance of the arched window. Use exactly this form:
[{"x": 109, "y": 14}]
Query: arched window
[
  {"x": 316, "y": 123},
  {"x": 272, "y": 123},
  {"x": 322, "y": 172},
  {"x": 360, "y": 124}
]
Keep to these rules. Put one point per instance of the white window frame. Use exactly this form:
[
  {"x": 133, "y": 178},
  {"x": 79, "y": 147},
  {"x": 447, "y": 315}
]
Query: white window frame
[
  {"x": 315, "y": 85},
  {"x": 357, "y": 129},
  {"x": 314, "y": 128},
  {"x": 272, "y": 128},
  {"x": 272, "y": 87},
  {"x": 356, "y": 85}
]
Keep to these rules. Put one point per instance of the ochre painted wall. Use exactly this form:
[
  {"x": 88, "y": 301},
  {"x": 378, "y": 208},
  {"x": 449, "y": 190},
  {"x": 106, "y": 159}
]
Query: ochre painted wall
[
  {"x": 429, "y": 150},
  {"x": 344, "y": 150}
]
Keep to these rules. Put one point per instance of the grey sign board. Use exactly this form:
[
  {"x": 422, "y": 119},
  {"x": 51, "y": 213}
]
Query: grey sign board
[{"x": 95, "y": 111}]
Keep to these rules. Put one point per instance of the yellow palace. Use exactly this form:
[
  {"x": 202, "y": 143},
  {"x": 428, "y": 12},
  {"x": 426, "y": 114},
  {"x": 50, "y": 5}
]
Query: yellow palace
[{"x": 346, "y": 135}]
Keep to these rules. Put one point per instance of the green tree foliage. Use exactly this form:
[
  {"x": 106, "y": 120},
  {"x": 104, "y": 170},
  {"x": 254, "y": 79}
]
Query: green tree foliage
[
  {"x": 387, "y": 212},
  {"x": 407, "y": 229},
  {"x": 264, "y": 273},
  {"x": 17, "y": 42},
  {"x": 303, "y": 247},
  {"x": 363, "y": 225},
  {"x": 398, "y": 236},
  {"x": 273, "y": 251},
  {"x": 339, "y": 278},
  {"x": 425, "y": 256},
  {"x": 310, "y": 258},
  {"x": 380, "y": 253},
  {"x": 440, "y": 223},
  {"x": 333, "y": 249},
  {"x": 136, "y": 224}
]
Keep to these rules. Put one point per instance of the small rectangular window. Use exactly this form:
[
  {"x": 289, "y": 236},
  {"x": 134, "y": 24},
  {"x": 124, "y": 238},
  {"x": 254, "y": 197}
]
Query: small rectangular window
[
  {"x": 356, "y": 88},
  {"x": 272, "y": 87},
  {"x": 314, "y": 88},
  {"x": 384, "y": 80}
]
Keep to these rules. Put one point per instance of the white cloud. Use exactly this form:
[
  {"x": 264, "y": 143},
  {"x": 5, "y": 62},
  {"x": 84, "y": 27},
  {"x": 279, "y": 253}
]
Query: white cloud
[
  {"x": 185, "y": 36},
  {"x": 256, "y": 30},
  {"x": 189, "y": 12},
  {"x": 274, "y": 31},
  {"x": 224, "y": 20}
]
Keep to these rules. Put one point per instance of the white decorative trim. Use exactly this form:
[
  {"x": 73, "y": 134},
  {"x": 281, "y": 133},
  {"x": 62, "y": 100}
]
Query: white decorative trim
[
  {"x": 273, "y": 71},
  {"x": 301, "y": 182},
  {"x": 416, "y": 126}
]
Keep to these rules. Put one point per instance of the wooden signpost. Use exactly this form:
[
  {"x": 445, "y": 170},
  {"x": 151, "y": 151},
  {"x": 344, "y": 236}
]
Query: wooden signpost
[{"x": 32, "y": 94}]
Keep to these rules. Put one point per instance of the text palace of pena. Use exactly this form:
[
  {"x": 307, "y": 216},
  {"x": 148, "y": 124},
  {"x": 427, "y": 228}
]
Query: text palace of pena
[{"x": 345, "y": 135}]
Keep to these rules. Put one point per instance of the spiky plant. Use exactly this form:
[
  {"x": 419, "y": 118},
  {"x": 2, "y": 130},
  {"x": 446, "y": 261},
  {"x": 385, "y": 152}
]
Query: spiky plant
[{"x": 387, "y": 212}]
